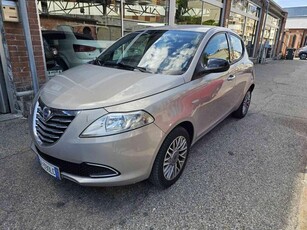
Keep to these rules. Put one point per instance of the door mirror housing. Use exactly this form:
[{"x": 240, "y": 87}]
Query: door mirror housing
[{"x": 216, "y": 65}]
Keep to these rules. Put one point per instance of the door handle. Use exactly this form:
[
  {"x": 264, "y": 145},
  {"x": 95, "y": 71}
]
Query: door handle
[{"x": 231, "y": 77}]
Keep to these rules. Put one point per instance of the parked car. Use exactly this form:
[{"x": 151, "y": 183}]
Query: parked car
[
  {"x": 135, "y": 112},
  {"x": 302, "y": 53},
  {"x": 74, "y": 48},
  {"x": 51, "y": 57}
]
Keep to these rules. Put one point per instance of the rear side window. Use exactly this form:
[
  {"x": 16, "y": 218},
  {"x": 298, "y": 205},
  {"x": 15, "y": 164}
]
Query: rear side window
[
  {"x": 217, "y": 47},
  {"x": 237, "y": 48}
]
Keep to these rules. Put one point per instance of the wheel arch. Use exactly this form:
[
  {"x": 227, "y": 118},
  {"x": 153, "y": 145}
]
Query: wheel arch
[
  {"x": 251, "y": 88},
  {"x": 188, "y": 126}
]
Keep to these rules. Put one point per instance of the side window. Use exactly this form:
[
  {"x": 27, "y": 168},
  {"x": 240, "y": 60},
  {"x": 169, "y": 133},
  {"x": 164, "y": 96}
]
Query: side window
[
  {"x": 217, "y": 47},
  {"x": 237, "y": 48}
]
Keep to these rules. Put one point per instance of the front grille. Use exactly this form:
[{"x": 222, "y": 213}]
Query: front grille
[
  {"x": 50, "y": 123},
  {"x": 83, "y": 169}
]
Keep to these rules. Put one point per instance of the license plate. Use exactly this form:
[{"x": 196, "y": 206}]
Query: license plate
[
  {"x": 50, "y": 168},
  {"x": 52, "y": 73}
]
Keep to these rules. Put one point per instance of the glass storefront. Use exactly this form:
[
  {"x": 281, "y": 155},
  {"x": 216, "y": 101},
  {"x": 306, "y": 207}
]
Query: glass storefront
[
  {"x": 211, "y": 15},
  {"x": 239, "y": 4},
  {"x": 250, "y": 35},
  {"x": 243, "y": 19},
  {"x": 236, "y": 23},
  {"x": 270, "y": 34},
  {"x": 77, "y": 31},
  {"x": 199, "y": 13}
]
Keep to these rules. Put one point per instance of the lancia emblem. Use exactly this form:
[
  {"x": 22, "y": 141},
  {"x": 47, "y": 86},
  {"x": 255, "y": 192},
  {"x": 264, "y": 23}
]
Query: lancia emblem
[{"x": 46, "y": 113}]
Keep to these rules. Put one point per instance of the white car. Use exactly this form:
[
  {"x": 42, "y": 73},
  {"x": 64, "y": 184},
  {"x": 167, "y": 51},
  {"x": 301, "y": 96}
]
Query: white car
[{"x": 74, "y": 48}]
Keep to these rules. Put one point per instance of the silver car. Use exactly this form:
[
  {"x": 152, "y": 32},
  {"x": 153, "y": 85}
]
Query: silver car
[{"x": 134, "y": 113}]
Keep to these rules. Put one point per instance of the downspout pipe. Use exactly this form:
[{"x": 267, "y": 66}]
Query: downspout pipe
[
  {"x": 263, "y": 28},
  {"x": 122, "y": 10},
  {"x": 26, "y": 28}
]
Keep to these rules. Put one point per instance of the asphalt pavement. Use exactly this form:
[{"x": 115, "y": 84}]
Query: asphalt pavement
[{"x": 244, "y": 174}]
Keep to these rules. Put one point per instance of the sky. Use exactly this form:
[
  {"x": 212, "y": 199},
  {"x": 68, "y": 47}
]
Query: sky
[{"x": 291, "y": 3}]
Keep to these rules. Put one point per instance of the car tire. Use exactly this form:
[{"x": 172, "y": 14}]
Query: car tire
[
  {"x": 303, "y": 56},
  {"x": 243, "y": 109},
  {"x": 171, "y": 158},
  {"x": 62, "y": 64}
]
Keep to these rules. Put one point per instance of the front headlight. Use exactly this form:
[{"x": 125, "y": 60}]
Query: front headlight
[{"x": 114, "y": 123}]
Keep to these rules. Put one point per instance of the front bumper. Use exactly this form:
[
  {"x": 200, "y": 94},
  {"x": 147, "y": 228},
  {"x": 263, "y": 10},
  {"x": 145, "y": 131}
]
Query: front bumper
[{"x": 131, "y": 154}]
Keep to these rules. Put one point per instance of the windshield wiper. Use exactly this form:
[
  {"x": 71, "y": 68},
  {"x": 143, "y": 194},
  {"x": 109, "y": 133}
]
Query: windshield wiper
[
  {"x": 124, "y": 66},
  {"x": 142, "y": 69}
]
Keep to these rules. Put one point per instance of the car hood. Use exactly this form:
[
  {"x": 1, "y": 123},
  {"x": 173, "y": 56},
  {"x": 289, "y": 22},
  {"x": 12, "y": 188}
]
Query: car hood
[{"x": 89, "y": 86}]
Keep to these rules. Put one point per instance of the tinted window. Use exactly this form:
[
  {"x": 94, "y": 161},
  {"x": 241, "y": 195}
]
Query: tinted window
[
  {"x": 217, "y": 47},
  {"x": 237, "y": 48}
]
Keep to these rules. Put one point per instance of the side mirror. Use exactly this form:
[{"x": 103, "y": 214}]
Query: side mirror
[{"x": 216, "y": 65}]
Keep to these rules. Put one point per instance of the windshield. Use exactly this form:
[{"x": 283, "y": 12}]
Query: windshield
[{"x": 153, "y": 51}]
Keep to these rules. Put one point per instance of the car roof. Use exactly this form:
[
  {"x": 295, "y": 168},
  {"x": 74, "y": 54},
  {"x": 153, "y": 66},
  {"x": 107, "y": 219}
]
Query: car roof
[{"x": 195, "y": 28}]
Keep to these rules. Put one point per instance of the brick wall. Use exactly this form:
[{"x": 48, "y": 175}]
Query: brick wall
[{"x": 17, "y": 50}]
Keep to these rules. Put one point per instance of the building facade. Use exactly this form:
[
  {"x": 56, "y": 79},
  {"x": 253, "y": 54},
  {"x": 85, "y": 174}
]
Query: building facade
[
  {"x": 65, "y": 33},
  {"x": 295, "y": 29}
]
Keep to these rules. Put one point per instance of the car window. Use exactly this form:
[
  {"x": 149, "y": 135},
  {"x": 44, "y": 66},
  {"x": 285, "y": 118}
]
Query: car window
[
  {"x": 131, "y": 50},
  {"x": 237, "y": 48},
  {"x": 156, "y": 51},
  {"x": 217, "y": 47}
]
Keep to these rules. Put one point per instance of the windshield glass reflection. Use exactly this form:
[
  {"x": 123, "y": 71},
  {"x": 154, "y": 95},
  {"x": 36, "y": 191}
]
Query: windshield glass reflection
[{"x": 154, "y": 51}]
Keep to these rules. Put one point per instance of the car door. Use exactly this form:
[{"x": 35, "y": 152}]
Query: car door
[
  {"x": 240, "y": 68},
  {"x": 214, "y": 90}
]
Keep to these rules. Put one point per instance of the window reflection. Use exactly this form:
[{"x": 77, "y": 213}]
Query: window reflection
[
  {"x": 236, "y": 23},
  {"x": 198, "y": 12},
  {"x": 217, "y": 47},
  {"x": 81, "y": 30},
  {"x": 237, "y": 48},
  {"x": 155, "y": 51},
  {"x": 245, "y": 24},
  {"x": 252, "y": 9},
  {"x": 240, "y": 4},
  {"x": 249, "y": 35}
]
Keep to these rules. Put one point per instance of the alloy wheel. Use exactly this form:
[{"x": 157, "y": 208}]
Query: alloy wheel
[
  {"x": 246, "y": 102},
  {"x": 175, "y": 158}
]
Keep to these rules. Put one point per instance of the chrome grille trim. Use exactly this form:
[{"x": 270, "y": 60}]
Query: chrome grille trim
[{"x": 49, "y": 127}]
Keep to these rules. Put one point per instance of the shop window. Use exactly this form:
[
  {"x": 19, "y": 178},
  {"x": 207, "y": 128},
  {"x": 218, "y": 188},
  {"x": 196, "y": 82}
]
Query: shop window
[
  {"x": 236, "y": 48},
  {"x": 236, "y": 23},
  {"x": 198, "y": 13},
  {"x": 240, "y": 4},
  {"x": 211, "y": 15},
  {"x": 80, "y": 30},
  {"x": 250, "y": 35},
  {"x": 217, "y": 47},
  {"x": 272, "y": 21},
  {"x": 144, "y": 13},
  {"x": 245, "y": 24},
  {"x": 252, "y": 9}
]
